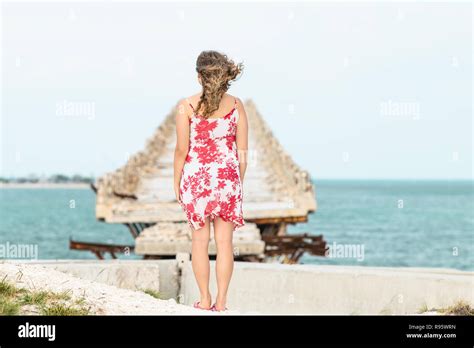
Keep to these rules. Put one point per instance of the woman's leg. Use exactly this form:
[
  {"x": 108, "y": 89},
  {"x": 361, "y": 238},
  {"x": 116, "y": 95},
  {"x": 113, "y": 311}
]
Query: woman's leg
[
  {"x": 223, "y": 232},
  {"x": 200, "y": 262}
]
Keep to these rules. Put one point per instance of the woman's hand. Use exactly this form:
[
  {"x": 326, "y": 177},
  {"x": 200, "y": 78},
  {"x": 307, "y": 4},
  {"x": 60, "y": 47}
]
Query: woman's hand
[
  {"x": 182, "y": 144},
  {"x": 176, "y": 192}
]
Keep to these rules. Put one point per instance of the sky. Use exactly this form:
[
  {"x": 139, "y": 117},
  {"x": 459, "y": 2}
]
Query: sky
[{"x": 352, "y": 90}]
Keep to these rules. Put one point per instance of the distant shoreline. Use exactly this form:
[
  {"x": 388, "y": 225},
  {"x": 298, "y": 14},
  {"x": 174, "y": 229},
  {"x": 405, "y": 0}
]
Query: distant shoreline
[{"x": 44, "y": 185}]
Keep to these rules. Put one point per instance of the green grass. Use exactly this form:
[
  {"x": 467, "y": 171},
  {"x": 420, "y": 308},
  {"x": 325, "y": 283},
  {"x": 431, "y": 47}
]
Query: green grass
[
  {"x": 459, "y": 308},
  {"x": 154, "y": 293},
  {"x": 62, "y": 309},
  {"x": 385, "y": 311},
  {"x": 64, "y": 295},
  {"x": 423, "y": 309},
  {"x": 9, "y": 307},
  {"x": 6, "y": 289},
  {"x": 12, "y": 299},
  {"x": 34, "y": 298},
  {"x": 81, "y": 301}
]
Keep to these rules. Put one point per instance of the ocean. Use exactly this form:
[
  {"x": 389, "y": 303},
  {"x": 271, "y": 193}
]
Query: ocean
[
  {"x": 395, "y": 223},
  {"x": 392, "y": 223}
]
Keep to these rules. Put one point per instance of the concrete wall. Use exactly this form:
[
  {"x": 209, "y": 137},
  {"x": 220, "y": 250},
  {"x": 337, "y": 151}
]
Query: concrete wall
[
  {"x": 159, "y": 275},
  {"x": 288, "y": 289},
  {"x": 311, "y": 289}
]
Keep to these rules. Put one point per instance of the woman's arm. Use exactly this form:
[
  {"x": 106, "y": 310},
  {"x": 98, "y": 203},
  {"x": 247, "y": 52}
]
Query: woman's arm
[
  {"x": 182, "y": 143},
  {"x": 242, "y": 139}
]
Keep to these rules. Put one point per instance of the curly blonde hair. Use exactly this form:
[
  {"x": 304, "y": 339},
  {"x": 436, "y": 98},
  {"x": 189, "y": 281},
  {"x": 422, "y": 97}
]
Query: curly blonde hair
[{"x": 217, "y": 72}]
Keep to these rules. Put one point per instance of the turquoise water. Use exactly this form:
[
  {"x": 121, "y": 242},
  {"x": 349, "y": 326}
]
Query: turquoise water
[
  {"x": 398, "y": 223},
  {"x": 50, "y": 217}
]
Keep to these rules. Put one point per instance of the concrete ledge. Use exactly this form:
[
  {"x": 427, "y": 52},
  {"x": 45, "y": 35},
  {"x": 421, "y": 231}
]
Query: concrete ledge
[
  {"x": 308, "y": 289},
  {"x": 158, "y": 275},
  {"x": 287, "y": 289}
]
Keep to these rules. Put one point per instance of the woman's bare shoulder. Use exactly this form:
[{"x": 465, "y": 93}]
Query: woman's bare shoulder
[
  {"x": 183, "y": 107},
  {"x": 240, "y": 104},
  {"x": 230, "y": 98},
  {"x": 194, "y": 99}
]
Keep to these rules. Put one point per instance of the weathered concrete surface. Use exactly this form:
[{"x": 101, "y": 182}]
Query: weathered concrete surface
[
  {"x": 287, "y": 289},
  {"x": 99, "y": 298},
  {"x": 311, "y": 289},
  {"x": 174, "y": 238},
  {"x": 161, "y": 276}
]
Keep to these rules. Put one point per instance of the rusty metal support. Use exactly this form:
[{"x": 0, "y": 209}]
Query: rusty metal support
[
  {"x": 136, "y": 228},
  {"x": 125, "y": 195},
  {"x": 93, "y": 187},
  {"x": 277, "y": 220},
  {"x": 294, "y": 246},
  {"x": 99, "y": 249}
]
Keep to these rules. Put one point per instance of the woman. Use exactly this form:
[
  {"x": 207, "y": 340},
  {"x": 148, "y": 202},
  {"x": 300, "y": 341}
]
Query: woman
[{"x": 209, "y": 167}]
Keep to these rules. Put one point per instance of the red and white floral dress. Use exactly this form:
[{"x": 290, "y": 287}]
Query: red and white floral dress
[{"x": 210, "y": 182}]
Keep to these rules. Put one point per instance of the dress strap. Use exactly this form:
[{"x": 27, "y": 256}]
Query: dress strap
[{"x": 191, "y": 105}]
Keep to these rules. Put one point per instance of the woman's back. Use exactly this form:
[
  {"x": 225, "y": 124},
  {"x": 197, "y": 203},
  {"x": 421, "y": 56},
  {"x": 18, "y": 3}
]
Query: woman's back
[{"x": 226, "y": 104}]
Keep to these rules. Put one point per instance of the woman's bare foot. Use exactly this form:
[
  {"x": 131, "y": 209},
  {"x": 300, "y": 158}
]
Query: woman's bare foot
[
  {"x": 220, "y": 304},
  {"x": 205, "y": 302}
]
